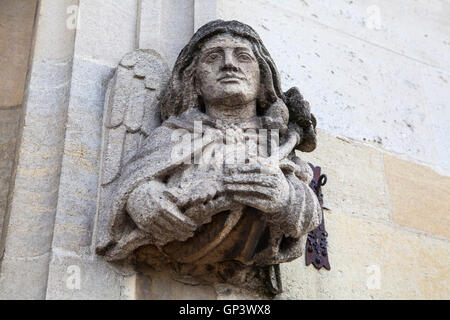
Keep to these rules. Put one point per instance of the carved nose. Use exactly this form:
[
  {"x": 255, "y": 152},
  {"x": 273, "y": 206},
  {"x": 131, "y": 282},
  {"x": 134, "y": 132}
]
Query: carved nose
[{"x": 228, "y": 63}]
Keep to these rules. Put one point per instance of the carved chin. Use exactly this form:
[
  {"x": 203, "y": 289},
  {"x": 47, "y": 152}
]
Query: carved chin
[{"x": 233, "y": 97}]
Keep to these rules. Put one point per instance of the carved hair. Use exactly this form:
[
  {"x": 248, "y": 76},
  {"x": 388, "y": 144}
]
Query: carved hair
[{"x": 181, "y": 95}]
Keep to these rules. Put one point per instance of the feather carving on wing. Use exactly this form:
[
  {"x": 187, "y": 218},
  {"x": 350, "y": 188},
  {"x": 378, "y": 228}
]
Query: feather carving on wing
[{"x": 132, "y": 110}]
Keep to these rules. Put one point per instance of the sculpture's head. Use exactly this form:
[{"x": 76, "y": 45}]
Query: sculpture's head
[
  {"x": 226, "y": 62},
  {"x": 227, "y": 72}
]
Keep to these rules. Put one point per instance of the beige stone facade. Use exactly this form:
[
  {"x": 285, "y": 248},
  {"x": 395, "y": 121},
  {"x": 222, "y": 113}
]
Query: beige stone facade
[{"x": 375, "y": 72}]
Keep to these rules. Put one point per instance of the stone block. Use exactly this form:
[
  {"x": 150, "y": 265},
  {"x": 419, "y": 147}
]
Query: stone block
[
  {"x": 32, "y": 204},
  {"x": 204, "y": 11},
  {"x": 29, "y": 283},
  {"x": 435, "y": 83},
  {"x": 166, "y": 26},
  {"x": 148, "y": 28},
  {"x": 34, "y": 197},
  {"x": 16, "y": 30},
  {"x": 419, "y": 196},
  {"x": 159, "y": 286},
  {"x": 372, "y": 260},
  {"x": 56, "y": 29},
  {"x": 73, "y": 277},
  {"x": 77, "y": 199},
  {"x": 106, "y": 29},
  {"x": 356, "y": 182},
  {"x": 89, "y": 81},
  {"x": 421, "y": 32},
  {"x": 49, "y": 87},
  {"x": 9, "y": 125},
  {"x": 356, "y": 88},
  {"x": 28, "y": 229},
  {"x": 229, "y": 292},
  {"x": 177, "y": 27}
]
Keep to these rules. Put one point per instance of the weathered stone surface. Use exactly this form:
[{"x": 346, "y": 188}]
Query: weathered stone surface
[
  {"x": 74, "y": 221},
  {"x": 165, "y": 26},
  {"x": 9, "y": 125},
  {"x": 419, "y": 196},
  {"x": 359, "y": 89},
  {"x": 29, "y": 226},
  {"x": 420, "y": 33},
  {"x": 16, "y": 30},
  {"x": 204, "y": 11},
  {"x": 229, "y": 292},
  {"x": 107, "y": 29},
  {"x": 434, "y": 82},
  {"x": 386, "y": 86},
  {"x": 153, "y": 285},
  {"x": 74, "y": 277},
  {"x": 9, "y": 130},
  {"x": 48, "y": 90},
  {"x": 212, "y": 217},
  {"x": 410, "y": 265},
  {"x": 148, "y": 22},
  {"x": 356, "y": 181},
  {"x": 56, "y": 30},
  {"x": 31, "y": 271}
]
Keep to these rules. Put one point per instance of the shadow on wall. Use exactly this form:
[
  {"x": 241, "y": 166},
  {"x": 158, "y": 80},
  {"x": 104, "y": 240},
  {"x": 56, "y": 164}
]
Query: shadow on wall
[{"x": 16, "y": 31}]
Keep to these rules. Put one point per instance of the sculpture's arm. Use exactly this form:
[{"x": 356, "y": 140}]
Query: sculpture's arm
[
  {"x": 303, "y": 212},
  {"x": 151, "y": 208},
  {"x": 169, "y": 214},
  {"x": 275, "y": 189}
]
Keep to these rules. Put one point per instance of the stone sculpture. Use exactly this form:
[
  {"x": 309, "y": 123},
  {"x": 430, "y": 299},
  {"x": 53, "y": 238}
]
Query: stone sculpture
[{"x": 172, "y": 193}]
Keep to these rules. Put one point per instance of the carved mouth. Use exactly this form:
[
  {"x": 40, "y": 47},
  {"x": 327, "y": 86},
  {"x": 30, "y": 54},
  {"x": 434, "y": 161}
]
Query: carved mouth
[{"x": 228, "y": 77}]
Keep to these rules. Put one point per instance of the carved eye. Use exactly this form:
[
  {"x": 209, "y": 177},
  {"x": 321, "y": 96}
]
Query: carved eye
[
  {"x": 244, "y": 57},
  {"x": 212, "y": 57}
]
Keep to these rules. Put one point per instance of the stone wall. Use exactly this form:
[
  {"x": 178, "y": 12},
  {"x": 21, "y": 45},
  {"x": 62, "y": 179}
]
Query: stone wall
[
  {"x": 16, "y": 30},
  {"x": 376, "y": 74}
]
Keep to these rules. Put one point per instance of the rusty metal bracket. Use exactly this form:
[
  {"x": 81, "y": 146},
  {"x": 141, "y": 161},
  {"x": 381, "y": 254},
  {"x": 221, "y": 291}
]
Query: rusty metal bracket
[
  {"x": 316, "y": 242},
  {"x": 273, "y": 279}
]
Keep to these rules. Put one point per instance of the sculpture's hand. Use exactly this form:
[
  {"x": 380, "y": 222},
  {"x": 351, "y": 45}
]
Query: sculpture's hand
[
  {"x": 153, "y": 212},
  {"x": 197, "y": 192},
  {"x": 261, "y": 185},
  {"x": 199, "y": 199}
]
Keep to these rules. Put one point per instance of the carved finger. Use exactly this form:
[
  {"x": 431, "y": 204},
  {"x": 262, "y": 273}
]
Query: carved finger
[
  {"x": 287, "y": 165},
  {"x": 158, "y": 231},
  {"x": 171, "y": 196},
  {"x": 208, "y": 195},
  {"x": 171, "y": 231},
  {"x": 248, "y": 201},
  {"x": 179, "y": 230},
  {"x": 172, "y": 214},
  {"x": 250, "y": 168},
  {"x": 267, "y": 168},
  {"x": 198, "y": 213},
  {"x": 231, "y": 169},
  {"x": 258, "y": 179},
  {"x": 184, "y": 223},
  {"x": 250, "y": 189}
]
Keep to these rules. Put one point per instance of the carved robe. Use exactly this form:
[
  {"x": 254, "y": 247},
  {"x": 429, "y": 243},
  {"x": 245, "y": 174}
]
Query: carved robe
[{"x": 226, "y": 230}]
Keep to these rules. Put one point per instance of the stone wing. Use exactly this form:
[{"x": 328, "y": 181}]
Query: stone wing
[{"x": 131, "y": 108}]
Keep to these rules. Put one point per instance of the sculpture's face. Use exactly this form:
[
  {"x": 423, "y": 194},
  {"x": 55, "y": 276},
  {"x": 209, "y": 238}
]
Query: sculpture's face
[{"x": 227, "y": 71}]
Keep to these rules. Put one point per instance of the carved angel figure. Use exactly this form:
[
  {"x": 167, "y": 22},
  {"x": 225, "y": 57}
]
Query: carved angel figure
[{"x": 169, "y": 209}]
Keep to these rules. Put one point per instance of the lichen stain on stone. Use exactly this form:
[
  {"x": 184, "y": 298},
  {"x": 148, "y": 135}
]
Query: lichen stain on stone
[
  {"x": 82, "y": 157},
  {"x": 41, "y": 172}
]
